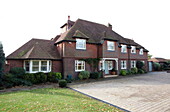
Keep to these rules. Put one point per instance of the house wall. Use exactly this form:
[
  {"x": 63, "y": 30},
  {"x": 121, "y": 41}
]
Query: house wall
[{"x": 56, "y": 66}]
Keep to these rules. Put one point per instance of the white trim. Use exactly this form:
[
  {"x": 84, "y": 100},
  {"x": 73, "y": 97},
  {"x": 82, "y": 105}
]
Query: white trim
[
  {"x": 141, "y": 51},
  {"x": 124, "y": 48},
  {"x": 82, "y": 65},
  {"x": 133, "y": 63},
  {"x": 123, "y": 64},
  {"x": 104, "y": 59}
]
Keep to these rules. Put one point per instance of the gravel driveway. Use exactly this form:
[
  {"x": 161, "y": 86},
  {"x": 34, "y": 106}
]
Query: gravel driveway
[{"x": 141, "y": 93}]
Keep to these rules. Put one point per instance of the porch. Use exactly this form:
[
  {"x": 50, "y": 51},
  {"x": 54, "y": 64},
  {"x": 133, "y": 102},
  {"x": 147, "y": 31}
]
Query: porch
[{"x": 109, "y": 66}]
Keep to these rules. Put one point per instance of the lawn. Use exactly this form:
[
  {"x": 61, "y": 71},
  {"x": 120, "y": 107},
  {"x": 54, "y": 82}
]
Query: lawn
[{"x": 51, "y": 99}]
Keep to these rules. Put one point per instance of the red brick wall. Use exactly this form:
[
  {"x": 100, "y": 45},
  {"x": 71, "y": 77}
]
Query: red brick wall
[
  {"x": 71, "y": 51},
  {"x": 56, "y": 66}
]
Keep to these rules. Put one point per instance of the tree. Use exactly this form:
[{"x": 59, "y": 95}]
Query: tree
[
  {"x": 2, "y": 60},
  {"x": 149, "y": 56},
  {"x": 139, "y": 64}
]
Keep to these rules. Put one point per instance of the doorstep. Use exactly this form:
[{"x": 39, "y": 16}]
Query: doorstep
[{"x": 109, "y": 76}]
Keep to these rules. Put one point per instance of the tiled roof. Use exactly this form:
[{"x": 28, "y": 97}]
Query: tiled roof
[
  {"x": 158, "y": 60},
  {"x": 36, "y": 49},
  {"x": 95, "y": 32}
]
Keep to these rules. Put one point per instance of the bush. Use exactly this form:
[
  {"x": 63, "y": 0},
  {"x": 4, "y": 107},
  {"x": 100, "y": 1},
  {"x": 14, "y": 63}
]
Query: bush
[
  {"x": 123, "y": 72},
  {"x": 156, "y": 66},
  {"x": 80, "y": 77},
  {"x": 95, "y": 75},
  {"x": 62, "y": 83},
  {"x": 30, "y": 77},
  {"x": 85, "y": 74},
  {"x": 129, "y": 72},
  {"x": 40, "y": 77},
  {"x": 139, "y": 64},
  {"x": 17, "y": 72},
  {"x": 140, "y": 71},
  {"x": 134, "y": 70},
  {"x": 53, "y": 76}
]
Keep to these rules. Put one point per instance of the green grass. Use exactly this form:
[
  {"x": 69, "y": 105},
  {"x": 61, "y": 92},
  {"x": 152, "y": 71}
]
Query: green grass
[{"x": 52, "y": 100}]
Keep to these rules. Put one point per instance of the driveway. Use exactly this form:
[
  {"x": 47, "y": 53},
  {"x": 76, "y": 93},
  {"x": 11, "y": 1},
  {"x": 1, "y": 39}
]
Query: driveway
[{"x": 141, "y": 93}]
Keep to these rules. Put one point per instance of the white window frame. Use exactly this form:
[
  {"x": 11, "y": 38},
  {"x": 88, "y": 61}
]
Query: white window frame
[
  {"x": 133, "y": 49},
  {"x": 49, "y": 64},
  {"x": 124, "y": 48},
  {"x": 81, "y": 44},
  {"x": 100, "y": 65},
  {"x": 133, "y": 64},
  {"x": 77, "y": 62},
  {"x": 123, "y": 64},
  {"x": 141, "y": 51},
  {"x": 110, "y": 45}
]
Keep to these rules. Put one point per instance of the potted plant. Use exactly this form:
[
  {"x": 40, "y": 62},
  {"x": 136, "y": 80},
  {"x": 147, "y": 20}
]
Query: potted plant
[{"x": 113, "y": 71}]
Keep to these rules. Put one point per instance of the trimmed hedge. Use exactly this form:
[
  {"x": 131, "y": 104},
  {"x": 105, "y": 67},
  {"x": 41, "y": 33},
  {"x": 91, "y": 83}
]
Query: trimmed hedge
[
  {"x": 95, "y": 75},
  {"x": 62, "y": 83},
  {"x": 17, "y": 72},
  {"x": 123, "y": 72},
  {"x": 84, "y": 74},
  {"x": 134, "y": 70},
  {"x": 54, "y": 76}
]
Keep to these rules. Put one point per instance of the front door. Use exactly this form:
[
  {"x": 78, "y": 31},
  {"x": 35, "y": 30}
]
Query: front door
[{"x": 106, "y": 67}]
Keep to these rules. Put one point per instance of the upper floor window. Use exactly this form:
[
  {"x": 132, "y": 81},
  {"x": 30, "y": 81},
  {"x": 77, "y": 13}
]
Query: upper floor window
[
  {"x": 141, "y": 51},
  {"x": 124, "y": 48},
  {"x": 123, "y": 64},
  {"x": 80, "y": 44},
  {"x": 110, "y": 46},
  {"x": 133, "y": 49},
  {"x": 79, "y": 65},
  {"x": 133, "y": 64}
]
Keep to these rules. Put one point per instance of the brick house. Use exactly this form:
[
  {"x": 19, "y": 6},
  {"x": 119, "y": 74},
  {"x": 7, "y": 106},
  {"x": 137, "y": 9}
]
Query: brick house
[{"x": 79, "y": 40}]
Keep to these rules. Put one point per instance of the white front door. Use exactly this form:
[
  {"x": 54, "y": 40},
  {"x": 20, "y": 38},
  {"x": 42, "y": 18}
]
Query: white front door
[{"x": 106, "y": 67}]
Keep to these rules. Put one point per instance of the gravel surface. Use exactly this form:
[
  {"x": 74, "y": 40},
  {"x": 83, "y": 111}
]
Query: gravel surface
[{"x": 139, "y": 93}]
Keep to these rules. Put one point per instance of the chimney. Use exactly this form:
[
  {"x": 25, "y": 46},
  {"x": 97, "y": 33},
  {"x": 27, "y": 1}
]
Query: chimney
[
  {"x": 109, "y": 26},
  {"x": 68, "y": 17}
]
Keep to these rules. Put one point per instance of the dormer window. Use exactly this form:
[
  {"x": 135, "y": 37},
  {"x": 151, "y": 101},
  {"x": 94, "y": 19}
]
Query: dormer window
[
  {"x": 110, "y": 46},
  {"x": 133, "y": 49},
  {"x": 124, "y": 48},
  {"x": 80, "y": 44},
  {"x": 141, "y": 51}
]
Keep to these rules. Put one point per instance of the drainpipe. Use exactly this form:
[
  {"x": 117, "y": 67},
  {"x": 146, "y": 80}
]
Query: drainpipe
[{"x": 129, "y": 50}]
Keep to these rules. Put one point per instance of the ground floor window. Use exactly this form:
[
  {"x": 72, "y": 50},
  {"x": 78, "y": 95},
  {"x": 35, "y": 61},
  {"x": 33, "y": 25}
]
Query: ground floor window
[
  {"x": 123, "y": 64},
  {"x": 133, "y": 64},
  {"x": 79, "y": 65},
  {"x": 33, "y": 66}
]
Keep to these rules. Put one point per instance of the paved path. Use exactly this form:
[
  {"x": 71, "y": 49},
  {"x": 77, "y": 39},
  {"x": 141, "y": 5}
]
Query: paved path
[{"x": 142, "y": 93}]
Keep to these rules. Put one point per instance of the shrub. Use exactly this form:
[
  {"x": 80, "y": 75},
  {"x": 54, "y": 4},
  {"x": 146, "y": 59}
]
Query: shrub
[
  {"x": 80, "y": 76},
  {"x": 95, "y": 75},
  {"x": 129, "y": 72},
  {"x": 156, "y": 66},
  {"x": 30, "y": 77},
  {"x": 134, "y": 70},
  {"x": 53, "y": 76},
  {"x": 17, "y": 72},
  {"x": 85, "y": 74},
  {"x": 62, "y": 83},
  {"x": 123, "y": 72},
  {"x": 40, "y": 77},
  {"x": 139, "y": 64},
  {"x": 140, "y": 71}
]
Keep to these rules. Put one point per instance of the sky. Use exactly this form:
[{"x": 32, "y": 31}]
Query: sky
[{"x": 145, "y": 21}]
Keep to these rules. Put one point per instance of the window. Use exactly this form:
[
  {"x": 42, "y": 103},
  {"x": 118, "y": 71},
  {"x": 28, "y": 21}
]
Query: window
[
  {"x": 80, "y": 44},
  {"x": 79, "y": 65},
  {"x": 123, "y": 48},
  {"x": 141, "y": 51},
  {"x": 123, "y": 64},
  {"x": 110, "y": 65},
  {"x": 33, "y": 66},
  {"x": 110, "y": 46},
  {"x": 27, "y": 66},
  {"x": 133, "y": 64},
  {"x": 133, "y": 49}
]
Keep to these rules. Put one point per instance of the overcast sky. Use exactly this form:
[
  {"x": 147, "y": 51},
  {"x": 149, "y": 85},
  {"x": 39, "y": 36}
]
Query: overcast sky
[{"x": 145, "y": 21}]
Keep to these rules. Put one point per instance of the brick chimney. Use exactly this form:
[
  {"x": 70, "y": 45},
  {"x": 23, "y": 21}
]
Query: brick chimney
[
  {"x": 68, "y": 17},
  {"x": 109, "y": 26}
]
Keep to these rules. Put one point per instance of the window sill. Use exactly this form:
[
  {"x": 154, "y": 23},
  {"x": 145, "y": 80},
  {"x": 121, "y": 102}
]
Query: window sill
[
  {"x": 111, "y": 50},
  {"x": 79, "y": 70}
]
